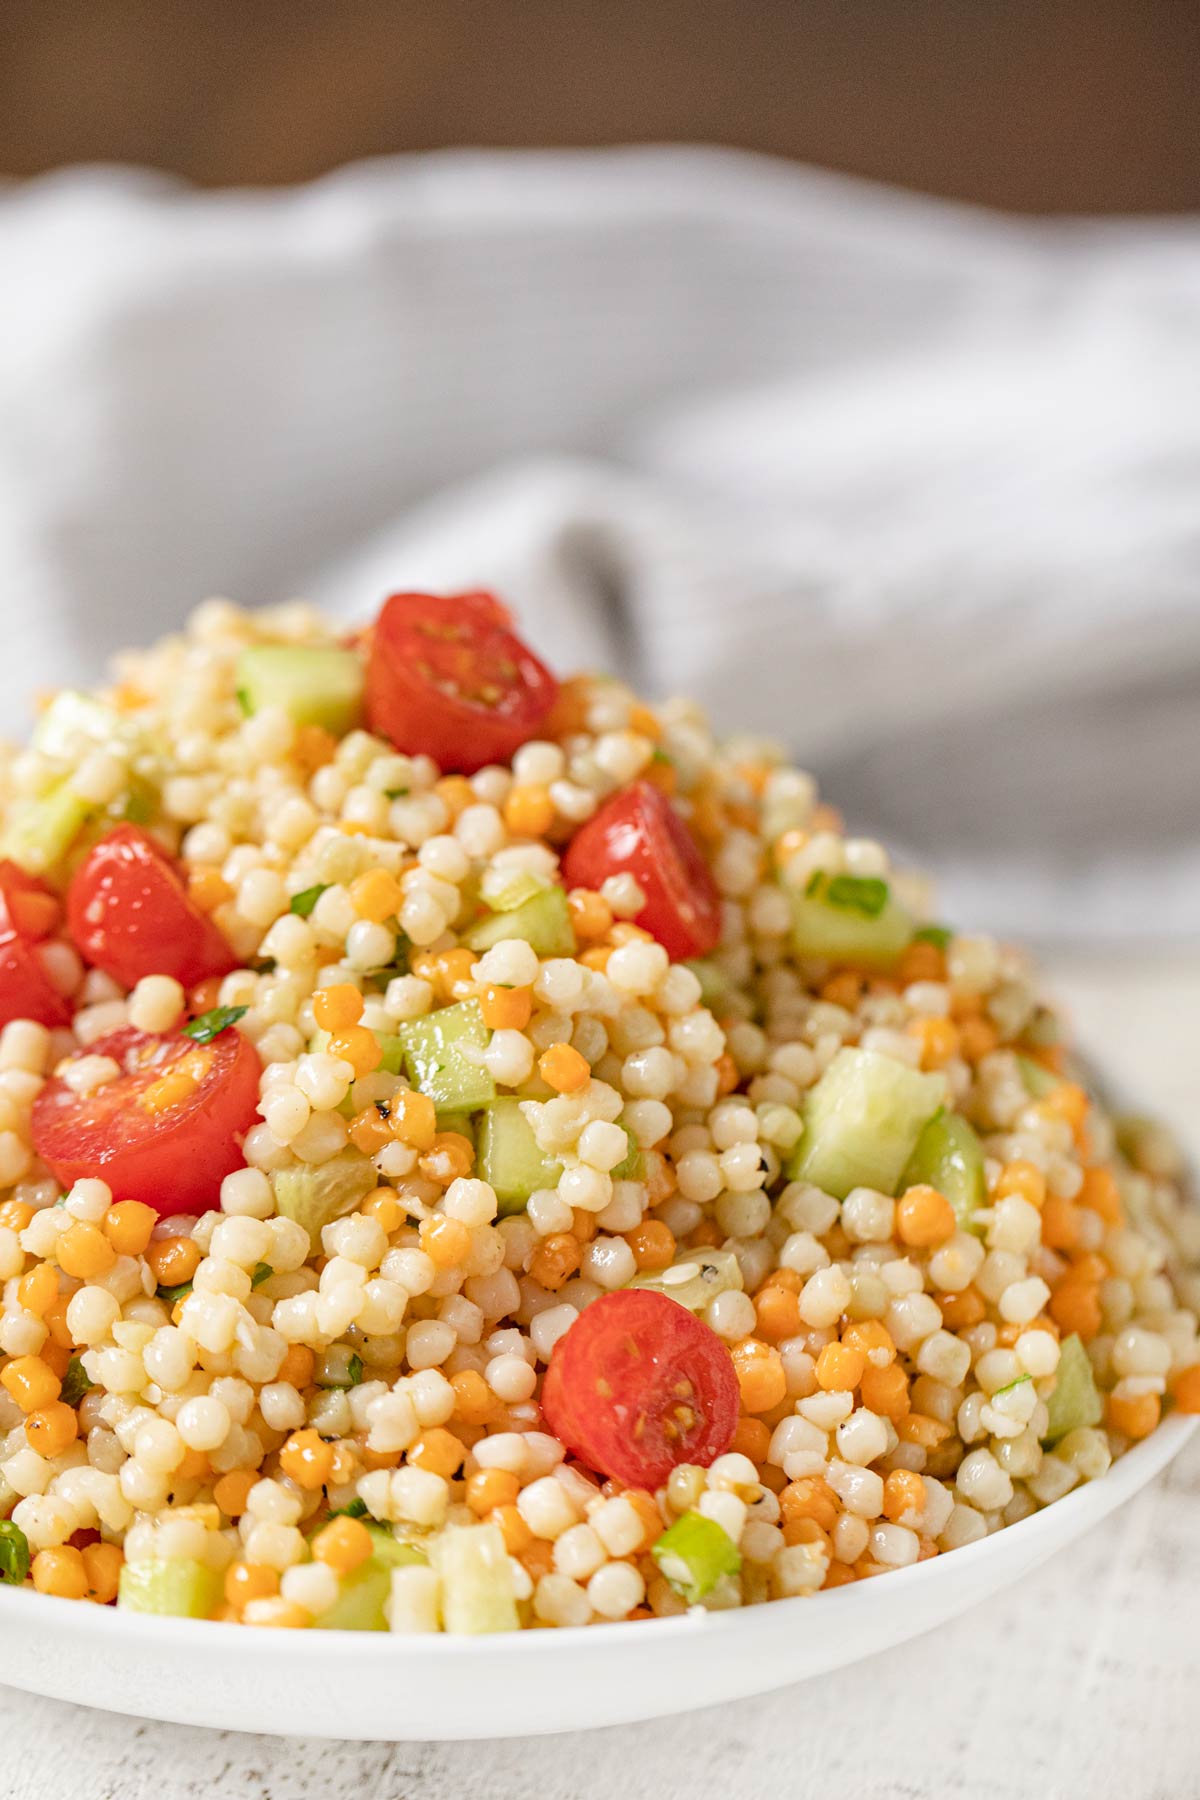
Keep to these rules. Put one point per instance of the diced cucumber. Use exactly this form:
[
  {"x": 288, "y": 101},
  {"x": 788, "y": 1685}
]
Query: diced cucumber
[
  {"x": 1038, "y": 1081},
  {"x": 509, "y": 1158},
  {"x": 174, "y": 1586},
  {"x": 862, "y": 1122},
  {"x": 364, "y": 1592},
  {"x": 503, "y": 890},
  {"x": 845, "y": 919},
  {"x": 543, "y": 921},
  {"x": 393, "y": 1053},
  {"x": 1076, "y": 1400},
  {"x": 41, "y": 829},
  {"x": 461, "y": 1122},
  {"x": 434, "y": 1061},
  {"x": 316, "y": 1194},
  {"x": 949, "y": 1157},
  {"x": 476, "y": 1577},
  {"x": 695, "y": 1278},
  {"x": 714, "y": 983},
  {"x": 314, "y": 686}
]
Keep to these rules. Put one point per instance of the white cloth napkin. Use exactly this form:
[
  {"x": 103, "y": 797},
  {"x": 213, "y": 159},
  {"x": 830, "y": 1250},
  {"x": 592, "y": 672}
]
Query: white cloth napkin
[{"x": 909, "y": 486}]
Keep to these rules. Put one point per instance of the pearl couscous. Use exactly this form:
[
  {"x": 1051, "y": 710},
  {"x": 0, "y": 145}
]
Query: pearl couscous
[{"x": 477, "y": 1153}]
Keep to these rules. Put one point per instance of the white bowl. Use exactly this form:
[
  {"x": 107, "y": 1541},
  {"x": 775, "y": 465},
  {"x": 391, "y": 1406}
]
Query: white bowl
[{"x": 369, "y": 1685}]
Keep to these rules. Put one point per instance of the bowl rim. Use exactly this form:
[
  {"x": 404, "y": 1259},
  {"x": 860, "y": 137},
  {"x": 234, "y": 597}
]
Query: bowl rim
[{"x": 1091, "y": 1502}]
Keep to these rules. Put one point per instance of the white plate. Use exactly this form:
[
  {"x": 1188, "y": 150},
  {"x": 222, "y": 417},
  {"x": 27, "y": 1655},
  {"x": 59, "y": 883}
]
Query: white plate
[{"x": 369, "y": 1685}]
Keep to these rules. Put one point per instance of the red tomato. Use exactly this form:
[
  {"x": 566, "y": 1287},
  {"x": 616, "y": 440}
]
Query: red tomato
[
  {"x": 638, "y": 832},
  {"x": 166, "y": 1130},
  {"x": 28, "y": 912},
  {"x": 26, "y": 991},
  {"x": 27, "y": 905},
  {"x": 638, "y": 1385},
  {"x": 445, "y": 676},
  {"x": 129, "y": 914}
]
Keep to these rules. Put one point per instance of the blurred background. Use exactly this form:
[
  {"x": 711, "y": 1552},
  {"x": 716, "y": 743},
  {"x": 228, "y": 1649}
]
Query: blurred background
[{"x": 833, "y": 361}]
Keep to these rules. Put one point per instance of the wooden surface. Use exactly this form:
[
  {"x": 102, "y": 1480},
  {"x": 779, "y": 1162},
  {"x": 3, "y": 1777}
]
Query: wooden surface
[
  {"x": 1039, "y": 104},
  {"x": 1077, "y": 1682}
]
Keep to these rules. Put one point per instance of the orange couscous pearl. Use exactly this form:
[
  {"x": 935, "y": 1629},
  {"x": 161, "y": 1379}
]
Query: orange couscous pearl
[
  {"x": 873, "y": 1338},
  {"x": 489, "y": 1488},
  {"x": 359, "y": 1047},
  {"x": 751, "y": 1438},
  {"x": 51, "y": 1429},
  {"x": 777, "y": 1312},
  {"x": 173, "y": 1260},
  {"x": 30, "y": 1382},
  {"x": 1186, "y": 1389},
  {"x": 449, "y": 1156},
  {"x": 564, "y": 1069},
  {"x": 413, "y": 1118},
  {"x": 840, "y": 1368},
  {"x": 60, "y": 1571},
  {"x": 1101, "y": 1194},
  {"x": 963, "y": 1309},
  {"x": 338, "y": 1007},
  {"x": 446, "y": 1242},
  {"x": 903, "y": 1492},
  {"x": 590, "y": 914},
  {"x": 529, "y": 811},
  {"x": 1075, "y": 1307},
  {"x": 652, "y": 1243},
  {"x": 473, "y": 1398},
  {"x": 307, "y": 1459},
  {"x": 84, "y": 1251},
  {"x": 1136, "y": 1416},
  {"x": 383, "y": 1206},
  {"x": 102, "y": 1565},
  {"x": 505, "y": 1009},
  {"x": 938, "y": 1039},
  {"x": 885, "y": 1391},
  {"x": 439, "y": 1451},
  {"x": 233, "y": 1490},
  {"x": 377, "y": 896},
  {"x": 555, "y": 1260},
  {"x": 38, "y": 1288},
  {"x": 128, "y": 1226},
  {"x": 810, "y": 1498},
  {"x": 343, "y": 1545},
  {"x": 370, "y": 1130},
  {"x": 518, "y": 1538},
  {"x": 297, "y": 1366},
  {"x": 15, "y": 1214},
  {"x": 1024, "y": 1179},
  {"x": 924, "y": 1218},
  {"x": 250, "y": 1581},
  {"x": 760, "y": 1373}
]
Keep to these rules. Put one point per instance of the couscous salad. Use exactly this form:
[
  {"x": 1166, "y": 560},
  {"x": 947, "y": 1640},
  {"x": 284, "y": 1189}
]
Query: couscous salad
[{"x": 478, "y": 1154}]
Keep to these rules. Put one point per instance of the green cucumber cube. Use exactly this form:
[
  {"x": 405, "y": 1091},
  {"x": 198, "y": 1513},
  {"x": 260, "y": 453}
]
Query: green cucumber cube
[
  {"x": 476, "y": 1577},
  {"x": 314, "y": 686},
  {"x": 847, "y": 934},
  {"x": 862, "y": 1122},
  {"x": 315, "y": 1194},
  {"x": 949, "y": 1157},
  {"x": 509, "y": 1158},
  {"x": 434, "y": 1061},
  {"x": 543, "y": 921},
  {"x": 1076, "y": 1400},
  {"x": 175, "y": 1587},
  {"x": 41, "y": 829},
  {"x": 364, "y": 1592}
]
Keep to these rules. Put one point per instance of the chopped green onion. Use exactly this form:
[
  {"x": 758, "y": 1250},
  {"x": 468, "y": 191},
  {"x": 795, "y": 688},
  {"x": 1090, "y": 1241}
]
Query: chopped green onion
[
  {"x": 138, "y": 808},
  {"x": 172, "y": 1294},
  {"x": 347, "y": 1370},
  {"x": 244, "y": 701},
  {"x": 1009, "y": 1386},
  {"x": 937, "y": 935},
  {"x": 14, "y": 1553},
  {"x": 694, "y": 1554},
  {"x": 865, "y": 894},
  {"x": 262, "y": 1272},
  {"x": 302, "y": 903},
  {"x": 397, "y": 793},
  {"x": 211, "y": 1024},
  {"x": 75, "y": 1383},
  {"x": 354, "y": 1370}
]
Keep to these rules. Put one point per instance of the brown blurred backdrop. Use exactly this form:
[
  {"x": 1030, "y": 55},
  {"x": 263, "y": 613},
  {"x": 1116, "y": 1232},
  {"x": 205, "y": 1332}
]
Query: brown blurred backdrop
[{"x": 1045, "y": 105}]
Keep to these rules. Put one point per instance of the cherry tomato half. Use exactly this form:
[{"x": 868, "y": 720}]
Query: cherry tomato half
[
  {"x": 638, "y": 832},
  {"x": 129, "y": 914},
  {"x": 638, "y": 1385},
  {"x": 166, "y": 1130},
  {"x": 446, "y": 676}
]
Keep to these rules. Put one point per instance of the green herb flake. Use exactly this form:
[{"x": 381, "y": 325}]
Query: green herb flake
[
  {"x": 397, "y": 793},
  {"x": 14, "y": 1553},
  {"x": 75, "y": 1383},
  {"x": 262, "y": 1272},
  {"x": 302, "y": 903},
  {"x": 1009, "y": 1386},
  {"x": 937, "y": 935},
  {"x": 353, "y": 1509},
  {"x": 865, "y": 894},
  {"x": 173, "y": 1294},
  {"x": 244, "y": 701},
  {"x": 354, "y": 1371},
  {"x": 211, "y": 1024}
]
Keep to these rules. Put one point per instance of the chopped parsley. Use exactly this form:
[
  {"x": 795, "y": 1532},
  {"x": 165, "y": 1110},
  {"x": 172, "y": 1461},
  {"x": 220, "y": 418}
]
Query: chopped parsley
[
  {"x": 303, "y": 902},
  {"x": 14, "y": 1553},
  {"x": 262, "y": 1272},
  {"x": 865, "y": 894},
  {"x": 75, "y": 1383},
  {"x": 353, "y": 1509},
  {"x": 937, "y": 935},
  {"x": 211, "y": 1024},
  {"x": 173, "y": 1294}
]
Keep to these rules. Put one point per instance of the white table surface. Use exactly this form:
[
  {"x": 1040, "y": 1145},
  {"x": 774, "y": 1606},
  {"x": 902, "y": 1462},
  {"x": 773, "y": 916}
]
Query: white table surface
[{"x": 1079, "y": 1684}]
